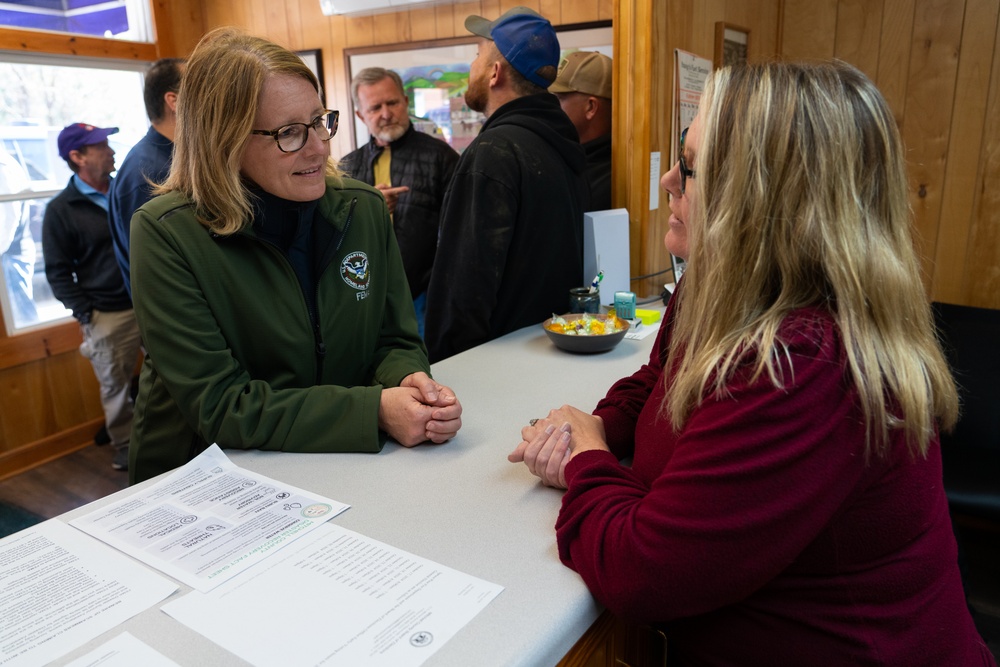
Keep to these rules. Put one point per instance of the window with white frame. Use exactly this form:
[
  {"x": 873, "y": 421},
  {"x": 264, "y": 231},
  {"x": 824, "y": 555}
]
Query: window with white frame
[
  {"x": 111, "y": 19},
  {"x": 38, "y": 97}
]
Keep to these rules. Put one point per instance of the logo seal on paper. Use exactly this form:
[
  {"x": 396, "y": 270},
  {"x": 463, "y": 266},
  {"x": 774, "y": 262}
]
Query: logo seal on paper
[
  {"x": 316, "y": 510},
  {"x": 421, "y": 639},
  {"x": 354, "y": 270}
]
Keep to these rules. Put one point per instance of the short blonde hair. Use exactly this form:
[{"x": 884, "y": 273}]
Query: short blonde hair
[
  {"x": 803, "y": 202},
  {"x": 216, "y": 108}
]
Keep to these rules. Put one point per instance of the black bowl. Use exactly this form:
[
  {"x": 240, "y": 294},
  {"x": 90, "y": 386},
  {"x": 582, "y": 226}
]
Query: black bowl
[{"x": 584, "y": 344}]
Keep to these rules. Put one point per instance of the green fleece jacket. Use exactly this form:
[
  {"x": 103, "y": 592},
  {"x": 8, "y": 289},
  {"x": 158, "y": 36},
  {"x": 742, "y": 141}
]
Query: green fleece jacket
[{"x": 231, "y": 355}]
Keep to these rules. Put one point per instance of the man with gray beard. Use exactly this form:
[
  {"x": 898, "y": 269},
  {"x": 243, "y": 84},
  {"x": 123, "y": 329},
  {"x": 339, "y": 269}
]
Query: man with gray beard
[{"x": 411, "y": 169}]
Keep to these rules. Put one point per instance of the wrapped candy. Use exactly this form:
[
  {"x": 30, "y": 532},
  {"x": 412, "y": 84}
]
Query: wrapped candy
[{"x": 587, "y": 325}]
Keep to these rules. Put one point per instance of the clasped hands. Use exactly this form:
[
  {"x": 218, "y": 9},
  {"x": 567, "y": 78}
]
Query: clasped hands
[
  {"x": 418, "y": 410},
  {"x": 548, "y": 444}
]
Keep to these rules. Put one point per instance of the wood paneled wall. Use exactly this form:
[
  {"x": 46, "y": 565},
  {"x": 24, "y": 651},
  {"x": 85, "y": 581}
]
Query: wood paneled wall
[
  {"x": 49, "y": 398},
  {"x": 936, "y": 61},
  {"x": 938, "y": 64},
  {"x": 642, "y": 115},
  {"x": 50, "y": 401},
  {"x": 299, "y": 24},
  {"x": 646, "y": 34}
]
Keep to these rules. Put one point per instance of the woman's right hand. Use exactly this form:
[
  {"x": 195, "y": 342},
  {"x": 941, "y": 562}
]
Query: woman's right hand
[
  {"x": 544, "y": 449},
  {"x": 548, "y": 444}
]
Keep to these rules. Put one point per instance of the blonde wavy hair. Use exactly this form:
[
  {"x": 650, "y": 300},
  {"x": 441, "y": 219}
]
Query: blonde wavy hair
[
  {"x": 216, "y": 108},
  {"x": 802, "y": 185}
]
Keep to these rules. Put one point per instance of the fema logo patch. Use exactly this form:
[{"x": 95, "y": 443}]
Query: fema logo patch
[{"x": 354, "y": 270}]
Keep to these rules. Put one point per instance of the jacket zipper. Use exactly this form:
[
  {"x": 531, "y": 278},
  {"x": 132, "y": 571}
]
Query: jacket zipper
[
  {"x": 317, "y": 333},
  {"x": 320, "y": 344}
]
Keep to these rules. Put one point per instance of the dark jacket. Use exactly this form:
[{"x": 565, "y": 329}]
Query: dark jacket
[
  {"x": 425, "y": 165},
  {"x": 511, "y": 241},
  {"x": 149, "y": 160},
  {"x": 599, "y": 172},
  {"x": 79, "y": 259},
  {"x": 233, "y": 354}
]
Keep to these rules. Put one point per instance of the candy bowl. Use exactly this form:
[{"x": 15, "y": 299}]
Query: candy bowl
[{"x": 585, "y": 333}]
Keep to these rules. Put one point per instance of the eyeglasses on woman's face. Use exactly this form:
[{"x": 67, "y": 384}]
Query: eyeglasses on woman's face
[
  {"x": 293, "y": 137},
  {"x": 686, "y": 173}
]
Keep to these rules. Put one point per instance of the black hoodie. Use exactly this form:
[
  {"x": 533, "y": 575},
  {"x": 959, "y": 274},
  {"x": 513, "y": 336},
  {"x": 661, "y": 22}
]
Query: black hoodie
[{"x": 511, "y": 236}]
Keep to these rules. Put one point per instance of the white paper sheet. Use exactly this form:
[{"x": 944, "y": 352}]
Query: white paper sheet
[
  {"x": 337, "y": 598},
  {"x": 123, "y": 651},
  {"x": 643, "y": 331},
  {"x": 209, "y": 520},
  {"x": 654, "y": 180},
  {"x": 59, "y": 589}
]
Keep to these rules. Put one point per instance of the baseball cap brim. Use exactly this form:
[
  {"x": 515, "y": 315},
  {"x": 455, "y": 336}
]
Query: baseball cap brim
[
  {"x": 77, "y": 135},
  {"x": 477, "y": 25}
]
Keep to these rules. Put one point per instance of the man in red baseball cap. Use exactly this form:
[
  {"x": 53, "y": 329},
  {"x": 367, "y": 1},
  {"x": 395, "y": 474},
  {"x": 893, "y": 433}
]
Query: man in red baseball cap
[{"x": 83, "y": 273}]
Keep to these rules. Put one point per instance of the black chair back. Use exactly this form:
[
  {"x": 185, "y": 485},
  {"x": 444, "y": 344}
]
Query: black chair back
[{"x": 971, "y": 341}]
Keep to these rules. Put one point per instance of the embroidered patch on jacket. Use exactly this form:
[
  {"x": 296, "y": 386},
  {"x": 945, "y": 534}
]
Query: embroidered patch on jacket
[{"x": 354, "y": 270}]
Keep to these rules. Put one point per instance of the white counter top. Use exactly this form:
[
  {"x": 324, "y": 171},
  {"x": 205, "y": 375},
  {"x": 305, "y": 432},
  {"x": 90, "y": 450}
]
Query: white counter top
[{"x": 460, "y": 504}]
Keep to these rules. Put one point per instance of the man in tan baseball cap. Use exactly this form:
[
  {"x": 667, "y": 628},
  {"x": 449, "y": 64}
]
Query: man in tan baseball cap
[{"x": 583, "y": 87}]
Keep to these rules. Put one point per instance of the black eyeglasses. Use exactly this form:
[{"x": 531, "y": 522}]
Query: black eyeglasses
[
  {"x": 685, "y": 172},
  {"x": 293, "y": 137}
]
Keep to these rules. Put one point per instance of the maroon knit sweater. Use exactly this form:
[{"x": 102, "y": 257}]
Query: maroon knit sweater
[{"x": 760, "y": 534}]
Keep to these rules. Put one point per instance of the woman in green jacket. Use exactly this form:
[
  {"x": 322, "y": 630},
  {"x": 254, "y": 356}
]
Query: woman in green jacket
[{"x": 269, "y": 290}]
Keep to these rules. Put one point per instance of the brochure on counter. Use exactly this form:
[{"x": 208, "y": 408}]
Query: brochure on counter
[
  {"x": 59, "y": 589},
  {"x": 209, "y": 520}
]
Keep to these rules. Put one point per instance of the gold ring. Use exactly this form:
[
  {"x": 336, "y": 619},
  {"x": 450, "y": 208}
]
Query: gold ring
[{"x": 532, "y": 422}]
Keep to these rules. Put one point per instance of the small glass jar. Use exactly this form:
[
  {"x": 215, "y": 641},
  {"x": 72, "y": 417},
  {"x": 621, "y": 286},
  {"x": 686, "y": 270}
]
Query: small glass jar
[{"x": 582, "y": 300}]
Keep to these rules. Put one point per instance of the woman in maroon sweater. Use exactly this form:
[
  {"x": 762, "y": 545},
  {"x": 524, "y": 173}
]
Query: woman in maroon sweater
[{"x": 784, "y": 503}]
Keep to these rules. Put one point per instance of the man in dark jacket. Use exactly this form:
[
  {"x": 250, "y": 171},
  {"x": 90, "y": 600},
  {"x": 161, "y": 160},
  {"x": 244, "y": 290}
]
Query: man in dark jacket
[
  {"x": 583, "y": 88},
  {"x": 410, "y": 168},
  {"x": 149, "y": 160},
  {"x": 511, "y": 241},
  {"x": 81, "y": 268}
]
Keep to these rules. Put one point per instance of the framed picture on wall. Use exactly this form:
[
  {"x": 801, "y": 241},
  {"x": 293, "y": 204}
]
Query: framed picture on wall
[
  {"x": 435, "y": 76},
  {"x": 732, "y": 44},
  {"x": 313, "y": 58}
]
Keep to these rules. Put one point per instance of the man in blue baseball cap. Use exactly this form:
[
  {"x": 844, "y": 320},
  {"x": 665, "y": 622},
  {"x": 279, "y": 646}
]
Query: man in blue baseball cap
[
  {"x": 511, "y": 237},
  {"x": 83, "y": 273}
]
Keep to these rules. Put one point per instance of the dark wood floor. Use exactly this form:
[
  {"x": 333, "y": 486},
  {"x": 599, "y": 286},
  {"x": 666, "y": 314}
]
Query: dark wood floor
[
  {"x": 66, "y": 483},
  {"x": 78, "y": 478}
]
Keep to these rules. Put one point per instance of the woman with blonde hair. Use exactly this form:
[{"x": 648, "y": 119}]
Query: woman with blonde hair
[
  {"x": 784, "y": 503},
  {"x": 269, "y": 289}
]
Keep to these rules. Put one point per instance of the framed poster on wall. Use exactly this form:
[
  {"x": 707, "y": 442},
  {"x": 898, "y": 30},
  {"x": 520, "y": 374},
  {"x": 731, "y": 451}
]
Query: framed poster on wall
[
  {"x": 313, "y": 58},
  {"x": 732, "y": 44},
  {"x": 435, "y": 76}
]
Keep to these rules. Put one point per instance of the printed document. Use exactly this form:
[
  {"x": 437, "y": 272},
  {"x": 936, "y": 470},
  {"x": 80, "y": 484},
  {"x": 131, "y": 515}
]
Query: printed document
[
  {"x": 123, "y": 651},
  {"x": 338, "y": 599},
  {"x": 209, "y": 520},
  {"x": 59, "y": 589}
]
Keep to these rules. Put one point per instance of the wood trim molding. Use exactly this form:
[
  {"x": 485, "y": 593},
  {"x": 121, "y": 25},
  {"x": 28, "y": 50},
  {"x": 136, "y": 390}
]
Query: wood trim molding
[
  {"x": 34, "y": 345},
  {"x": 48, "y": 449},
  {"x": 596, "y": 646},
  {"x": 37, "y": 41}
]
